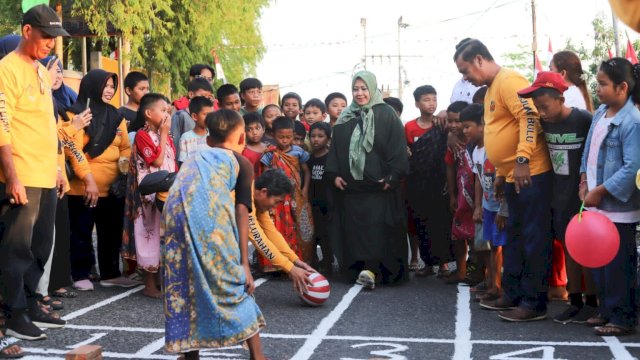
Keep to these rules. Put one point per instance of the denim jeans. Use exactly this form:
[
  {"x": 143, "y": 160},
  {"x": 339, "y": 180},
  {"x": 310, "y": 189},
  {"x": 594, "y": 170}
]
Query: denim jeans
[{"x": 527, "y": 253}]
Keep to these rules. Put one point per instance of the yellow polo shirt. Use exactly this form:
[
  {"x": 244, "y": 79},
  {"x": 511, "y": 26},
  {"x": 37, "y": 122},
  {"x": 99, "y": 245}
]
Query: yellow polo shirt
[
  {"x": 27, "y": 121},
  {"x": 512, "y": 127}
]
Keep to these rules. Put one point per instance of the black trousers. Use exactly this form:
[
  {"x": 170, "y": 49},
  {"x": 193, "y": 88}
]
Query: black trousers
[
  {"x": 61, "y": 262},
  {"x": 107, "y": 217},
  {"x": 25, "y": 245}
]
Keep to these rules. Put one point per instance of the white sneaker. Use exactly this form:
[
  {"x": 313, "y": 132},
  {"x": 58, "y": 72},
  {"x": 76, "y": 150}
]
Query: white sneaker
[{"x": 367, "y": 279}]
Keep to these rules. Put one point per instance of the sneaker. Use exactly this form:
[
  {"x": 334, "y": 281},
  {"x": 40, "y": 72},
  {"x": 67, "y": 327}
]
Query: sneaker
[
  {"x": 367, "y": 279},
  {"x": 22, "y": 328},
  {"x": 498, "y": 304},
  {"x": 83, "y": 285},
  {"x": 521, "y": 314},
  {"x": 121, "y": 281},
  {"x": 45, "y": 320},
  {"x": 567, "y": 316},
  {"x": 586, "y": 313}
]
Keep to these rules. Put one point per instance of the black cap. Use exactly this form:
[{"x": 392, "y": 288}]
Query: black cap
[{"x": 44, "y": 18}]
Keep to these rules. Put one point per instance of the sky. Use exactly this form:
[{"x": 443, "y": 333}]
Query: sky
[{"x": 314, "y": 47}]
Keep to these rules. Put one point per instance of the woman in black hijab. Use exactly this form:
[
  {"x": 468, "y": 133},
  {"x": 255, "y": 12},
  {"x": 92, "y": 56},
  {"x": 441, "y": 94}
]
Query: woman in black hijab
[{"x": 105, "y": 144}]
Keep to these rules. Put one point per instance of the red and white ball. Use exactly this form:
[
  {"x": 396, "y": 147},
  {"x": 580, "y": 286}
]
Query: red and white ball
[{"x": 318, "y": 292}]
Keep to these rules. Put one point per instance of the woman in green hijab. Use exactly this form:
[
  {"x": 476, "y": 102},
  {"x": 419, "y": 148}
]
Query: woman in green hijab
[{"x": 366, "y": 161}]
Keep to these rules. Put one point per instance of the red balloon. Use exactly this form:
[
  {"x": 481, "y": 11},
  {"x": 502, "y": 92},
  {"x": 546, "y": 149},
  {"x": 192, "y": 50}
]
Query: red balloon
[{"x": 593, "y": 241}]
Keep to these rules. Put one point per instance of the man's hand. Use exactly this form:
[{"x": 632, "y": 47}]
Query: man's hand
[
  {"x": 340, "y": 183},
  {"x": 498, "y": 188},
  {"x": 249, "y": 286},
  {"x": 454, "y": 144},
  {"x": 16, "y": 193},
  {"x": 521, "y": 177},
  {"x": 300, "y": 279},
  {"x": 501, "y": 222},
  {"x": 60, "y": 184}
]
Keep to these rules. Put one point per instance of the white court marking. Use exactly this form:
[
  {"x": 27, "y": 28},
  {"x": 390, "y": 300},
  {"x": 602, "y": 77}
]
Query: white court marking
[
  {"x": 309, "y": 346},
  {"x": 90, "y": 340},
  {"x": 617, "y": 348},
  {"x": 462, "y": 350},
  {"x": 102, "y": 303}
]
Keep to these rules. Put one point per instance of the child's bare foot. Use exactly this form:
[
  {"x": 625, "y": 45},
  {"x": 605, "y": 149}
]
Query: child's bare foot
[
  {"x": 9, "y": 350},
  {"x": 152, "y": 293}
]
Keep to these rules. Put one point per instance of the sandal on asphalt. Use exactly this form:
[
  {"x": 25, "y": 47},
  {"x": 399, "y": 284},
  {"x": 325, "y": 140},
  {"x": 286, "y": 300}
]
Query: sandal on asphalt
[
  {"x": 52, "y": 303},
  {"x": 613, "y": 330},
  {"x": 597, "y": 320},
  {"x": 5, "y": 345},
  {"x": 65, "y": 293}
]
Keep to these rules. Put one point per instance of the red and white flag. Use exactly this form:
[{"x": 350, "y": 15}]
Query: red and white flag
[
  {"x": 631, "y": 53},
  {"x": 219, "y": 70},
  {"x": 538, "y": 66},
  {"x": 610, "y": 53}
]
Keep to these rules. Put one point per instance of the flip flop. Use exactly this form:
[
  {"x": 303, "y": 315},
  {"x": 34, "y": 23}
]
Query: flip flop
[
  {"x": 68, "y": 293},
  {"x": 613, "y": 330},
  {"x": 52, "y": 303},
  {"x": 5, "y": 344}
]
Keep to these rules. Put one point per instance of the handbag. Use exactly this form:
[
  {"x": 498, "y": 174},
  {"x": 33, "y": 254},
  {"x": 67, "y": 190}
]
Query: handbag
[{"x": 118, "y": 188}]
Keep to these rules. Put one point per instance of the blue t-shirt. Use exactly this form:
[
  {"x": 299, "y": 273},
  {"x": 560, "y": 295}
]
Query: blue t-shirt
[{"x": 487, "y": 174}]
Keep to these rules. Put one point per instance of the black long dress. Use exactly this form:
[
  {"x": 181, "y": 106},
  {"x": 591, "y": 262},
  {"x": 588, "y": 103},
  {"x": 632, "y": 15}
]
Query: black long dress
[{"x": 368, "y": 226}]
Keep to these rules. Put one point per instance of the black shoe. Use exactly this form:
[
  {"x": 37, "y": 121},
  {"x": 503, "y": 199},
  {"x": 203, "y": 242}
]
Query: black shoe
[
  {"x": 584, "y": 314},
  {"x": 567, "y": 316},
  {"x": 19, "y": 326},
  {"x": 44, "y": 320}
]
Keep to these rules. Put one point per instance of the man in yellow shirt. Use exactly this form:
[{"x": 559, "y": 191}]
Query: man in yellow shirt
[
  {"x": 29, "y": 172},
  {"x": 515, "y": 144},
  {"x": 270, "y": 190}
]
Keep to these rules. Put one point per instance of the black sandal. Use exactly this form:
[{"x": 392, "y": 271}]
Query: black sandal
[
  {"x": 67, "y": 293},
  {"x": 613, "y": 330},
  {"x": 5, "y": 344},
  {"x": 52, "y": 303}
]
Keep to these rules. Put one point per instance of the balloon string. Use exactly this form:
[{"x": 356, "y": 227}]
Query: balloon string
[{"x": 581, "y": 210}]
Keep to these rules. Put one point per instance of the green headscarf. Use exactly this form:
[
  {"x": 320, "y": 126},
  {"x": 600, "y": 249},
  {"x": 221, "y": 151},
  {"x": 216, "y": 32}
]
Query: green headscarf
[{"x": 361, "y": 139}]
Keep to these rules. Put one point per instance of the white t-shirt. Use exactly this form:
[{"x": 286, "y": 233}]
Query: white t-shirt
[
  {"x": 599, "y": 133},
  {"x": 573, "y": 98}
]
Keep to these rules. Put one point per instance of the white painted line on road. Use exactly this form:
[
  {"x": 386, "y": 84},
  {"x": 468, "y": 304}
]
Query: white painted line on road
[
  {"x": 102, "y": 303},
  {"x": 90, "y": 340},
  {"x": 150, "y": 349},
  {"x": 617, "y": 349},
  {"x": 114, "y": 328},
  {"x": 260, "y": 281},
  {"x": 309, "y": 346},
  {"x": 463, "y": 325}
]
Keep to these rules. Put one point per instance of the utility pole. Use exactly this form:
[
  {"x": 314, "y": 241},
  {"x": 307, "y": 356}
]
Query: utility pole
[
  {"x": 401, "y": 26},
  {"x": 616, "y": 39},
  {"x": 534, "y": 45},
  {"x": 363, "y": 23}
]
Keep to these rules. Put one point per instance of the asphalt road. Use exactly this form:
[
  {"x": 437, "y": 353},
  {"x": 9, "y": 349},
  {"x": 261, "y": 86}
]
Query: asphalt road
[{"x": 424, "y": 319}]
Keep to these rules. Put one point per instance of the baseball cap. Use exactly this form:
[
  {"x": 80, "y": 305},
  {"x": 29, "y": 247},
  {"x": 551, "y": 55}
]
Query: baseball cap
[
  {"x": 545, "y": 79},
  {"x": 44, "y": 18}
]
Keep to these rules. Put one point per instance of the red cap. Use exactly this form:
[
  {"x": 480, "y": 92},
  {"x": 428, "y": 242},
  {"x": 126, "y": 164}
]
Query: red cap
[{"x": 545, "y": 79}]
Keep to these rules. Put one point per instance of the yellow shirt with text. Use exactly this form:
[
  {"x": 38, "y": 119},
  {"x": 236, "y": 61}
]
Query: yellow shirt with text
[{"x": 512, "y": 127}]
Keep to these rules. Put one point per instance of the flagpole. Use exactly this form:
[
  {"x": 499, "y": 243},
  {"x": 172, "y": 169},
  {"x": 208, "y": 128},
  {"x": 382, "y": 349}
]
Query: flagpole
[
  {"x": 615, "y": 33},
  {"x": 534, "y": 46}
]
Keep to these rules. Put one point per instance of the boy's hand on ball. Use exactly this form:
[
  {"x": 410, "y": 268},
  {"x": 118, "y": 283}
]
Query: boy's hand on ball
[{"x": 300, "y": 279}]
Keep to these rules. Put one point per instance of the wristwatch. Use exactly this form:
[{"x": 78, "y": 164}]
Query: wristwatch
[{"x": 522, "y": 160}]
